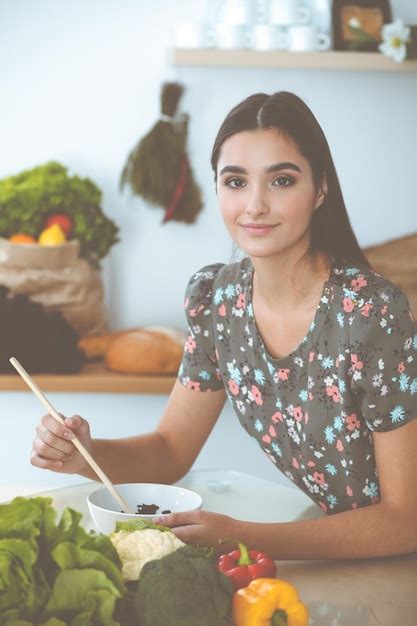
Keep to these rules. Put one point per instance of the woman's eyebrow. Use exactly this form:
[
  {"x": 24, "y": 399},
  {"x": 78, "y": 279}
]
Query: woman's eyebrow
[{"x": 276, "y": 167}]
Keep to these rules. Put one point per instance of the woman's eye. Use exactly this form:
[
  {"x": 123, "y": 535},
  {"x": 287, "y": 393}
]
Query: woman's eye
[
  {"x": 235, "y": 183},
  {"x": 284, "y": 181}
]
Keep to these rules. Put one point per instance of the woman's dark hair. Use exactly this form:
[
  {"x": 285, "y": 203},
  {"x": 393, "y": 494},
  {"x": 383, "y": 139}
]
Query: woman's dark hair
[{"x": 331, "y": 231}]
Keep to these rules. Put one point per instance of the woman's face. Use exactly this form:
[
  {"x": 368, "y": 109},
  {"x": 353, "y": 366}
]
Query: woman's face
[{"x": 266, "y": 192}]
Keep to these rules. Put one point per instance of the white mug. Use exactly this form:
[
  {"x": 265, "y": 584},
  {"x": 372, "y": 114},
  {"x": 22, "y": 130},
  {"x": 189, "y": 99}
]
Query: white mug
[
  {"x": 287, "y": 12},
  {"x": 306, "y": 37},
  {"x": 231, "y": 36},
  {"x": 190, "y": 35},
  {"x": 240, "y": 12},
  {"x": 268, "y": 37}
]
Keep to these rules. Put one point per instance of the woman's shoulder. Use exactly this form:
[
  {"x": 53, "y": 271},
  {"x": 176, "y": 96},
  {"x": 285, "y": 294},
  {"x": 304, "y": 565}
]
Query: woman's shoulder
[
  {"x": 208, "y": 279},
  {"x": 370, "y": 303}
]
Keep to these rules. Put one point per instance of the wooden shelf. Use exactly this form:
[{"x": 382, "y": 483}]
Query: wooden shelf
[
  {"x": 94, "y": 377},
  {"x": 330, "y": 60}
]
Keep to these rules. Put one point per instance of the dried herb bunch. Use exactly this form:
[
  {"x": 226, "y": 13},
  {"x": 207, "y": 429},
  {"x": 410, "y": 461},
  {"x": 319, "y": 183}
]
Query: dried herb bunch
[{"x": 158, "y": 168}]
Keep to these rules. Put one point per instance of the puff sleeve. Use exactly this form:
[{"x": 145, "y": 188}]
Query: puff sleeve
[
  {"x": 199, "y": 367},
  {"x": 384, "y": 369}
]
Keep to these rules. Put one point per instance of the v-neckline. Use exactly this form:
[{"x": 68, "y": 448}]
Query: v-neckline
[{"x": 314, "y": 329}]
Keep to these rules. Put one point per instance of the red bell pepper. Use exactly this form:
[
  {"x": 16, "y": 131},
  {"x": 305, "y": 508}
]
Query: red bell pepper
[{"x": 244, "y": 565}]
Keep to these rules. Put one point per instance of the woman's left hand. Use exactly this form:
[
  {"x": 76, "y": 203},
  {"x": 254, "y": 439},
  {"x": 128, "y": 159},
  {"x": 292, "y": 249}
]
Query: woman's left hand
[{"x": 201, "y": 527}]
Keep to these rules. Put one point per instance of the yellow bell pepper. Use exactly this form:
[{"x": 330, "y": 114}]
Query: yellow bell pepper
[{"x": 268, "y": 602}]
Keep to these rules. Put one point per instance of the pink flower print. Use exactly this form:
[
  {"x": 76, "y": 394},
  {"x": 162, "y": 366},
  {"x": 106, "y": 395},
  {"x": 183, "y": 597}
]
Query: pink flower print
[
  {"x": 339, "y": 445},
  {"x": 257, "y": 395},
  {"x": 356, "y": 364},
  {"x": 310, "y": 395},
  {"x": 384, "y": 309},
  {"x": 354, "y": 505},
  {"x": 348, "y": 305},
  {"x": 333, "y": 392},
  {"x": 306, "y": 417},
  {"x": 366, "y": 308},
  {"x": 349, "y": 491},
  {"x": 311, "y": 464},
  {"x": 272, "y": 431},
  {"x": 319, "y": 478},
  {"x": 283, "y": 374},
  {"x": 323, "y": 506},
  {"x": 358, "y": 283},
  {"x": 295, "y": 463},
  {"x": 186, "y": 302},
  {"x": 234, "y": 387},
  {"x": 298, "y": 413},
  {"x": 277, "y": 417},
  {"x": 222, "y": 310},
  {"x": 194, "y": 312},
  {"x": 195, "y": 386},
  {"x": 337, "y": 362},
  {"x": 311, "y": 357},
  {"x": 240, "y": 303},
  {"x": 401, "y": 367},
  {"x": 266, "y": 439},
  {"x": 190, "y": 344},
  {"x": 352, "y": 422}
]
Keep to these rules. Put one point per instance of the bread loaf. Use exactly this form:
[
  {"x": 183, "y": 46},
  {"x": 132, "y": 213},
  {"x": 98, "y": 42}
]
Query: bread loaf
[
  {"x": 146, "y": 350},
  {"x": 95, "y": 346}
]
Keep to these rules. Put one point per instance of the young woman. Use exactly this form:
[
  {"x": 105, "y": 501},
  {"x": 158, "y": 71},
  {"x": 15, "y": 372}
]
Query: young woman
[{"x": 316, "y": 352}]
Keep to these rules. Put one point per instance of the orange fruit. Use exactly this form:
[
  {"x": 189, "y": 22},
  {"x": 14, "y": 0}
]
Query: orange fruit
[{"x": 22, "y": 238}]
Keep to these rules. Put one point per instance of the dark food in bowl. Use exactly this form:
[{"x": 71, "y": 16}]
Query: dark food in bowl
[{"x": 148, "y": 509}]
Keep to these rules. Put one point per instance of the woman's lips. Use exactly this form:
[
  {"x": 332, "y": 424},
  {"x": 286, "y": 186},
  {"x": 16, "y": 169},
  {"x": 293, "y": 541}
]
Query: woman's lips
[{"x": 259, "y": 229}]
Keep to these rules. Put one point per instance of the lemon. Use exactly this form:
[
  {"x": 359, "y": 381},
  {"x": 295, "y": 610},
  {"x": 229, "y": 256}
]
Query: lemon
[{"x": 52, "y": 236}]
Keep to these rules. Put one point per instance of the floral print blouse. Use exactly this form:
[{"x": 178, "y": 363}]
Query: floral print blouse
[{"x": 312, "y": 412}]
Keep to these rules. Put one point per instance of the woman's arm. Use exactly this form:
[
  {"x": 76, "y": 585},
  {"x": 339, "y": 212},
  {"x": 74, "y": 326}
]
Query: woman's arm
[
  {"x": 386, "y": 528},
  {"x": 165, "y": 455}
]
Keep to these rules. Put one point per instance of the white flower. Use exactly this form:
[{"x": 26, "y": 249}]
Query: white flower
[{"x": 395, "y": 37}]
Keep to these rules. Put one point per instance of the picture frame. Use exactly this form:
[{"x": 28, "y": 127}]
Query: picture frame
[{"x": 357, "y": 24}]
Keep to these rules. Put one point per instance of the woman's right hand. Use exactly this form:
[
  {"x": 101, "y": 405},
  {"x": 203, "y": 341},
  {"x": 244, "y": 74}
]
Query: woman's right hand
[{"x": 53, "y": 449}]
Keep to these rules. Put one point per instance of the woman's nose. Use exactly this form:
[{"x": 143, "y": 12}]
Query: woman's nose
[{"x": 256, "y": 204}]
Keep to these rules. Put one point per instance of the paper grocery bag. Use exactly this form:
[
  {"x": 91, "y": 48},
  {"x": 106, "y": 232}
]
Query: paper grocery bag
[{"x": 57, "y": 278}]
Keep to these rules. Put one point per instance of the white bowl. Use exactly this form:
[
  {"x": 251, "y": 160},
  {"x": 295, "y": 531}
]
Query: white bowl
[{"x": 105, "y": 511}]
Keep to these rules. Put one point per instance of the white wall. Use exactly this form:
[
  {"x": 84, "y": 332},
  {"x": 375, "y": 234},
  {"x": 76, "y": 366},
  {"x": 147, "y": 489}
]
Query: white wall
[{"x": 80, "y": 83}]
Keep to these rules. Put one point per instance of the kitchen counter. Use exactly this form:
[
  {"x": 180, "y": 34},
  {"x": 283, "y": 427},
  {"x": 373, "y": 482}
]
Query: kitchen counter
[{"x": 366, "y": 592}]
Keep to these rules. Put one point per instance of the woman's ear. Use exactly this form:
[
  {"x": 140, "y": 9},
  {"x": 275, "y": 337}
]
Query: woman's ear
[{"x": 322, "y": 192}]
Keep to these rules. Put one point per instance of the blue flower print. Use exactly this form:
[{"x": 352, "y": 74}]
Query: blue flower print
[
  {"x": 404, "y": 382},
  {"x": 338, "y": 423},
  {"x": 303, "y": 395},
  {"x": 218, "y": 296},
  {"x": 259, "y": 426},
  {"x": 204, "y": 375},
  {"x": 331, "y": 469},
  {"x": 351, "y": 271},
  {"x": 278, "y": 404},
  {"x": 276, "y": 449},
  {"x": 259, "y": 377},
  {"x": 327, "y": 362},
  {"x": 413, "y": 387},
  {"x": 249, "y": 309},
  {"x": 415, "y": 342},
  {"x": 234, "y": 373},
  {"x": 371, "y": 490},
  {"x": 349, "y": 293},
  {"x": 332, "y": 500},
  {"x": 342, "y": 386},
  {"x": 230, "y": 291},
  {"x": 271, "y": 368},
  {"x": 340, "y": 319},
  {"x": 397, "y": 414},
  {"x": 329, "y": 434}
]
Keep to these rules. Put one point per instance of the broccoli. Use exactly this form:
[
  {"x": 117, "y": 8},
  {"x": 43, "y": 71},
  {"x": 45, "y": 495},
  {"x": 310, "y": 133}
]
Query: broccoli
[{"x": 183, "y": 588}]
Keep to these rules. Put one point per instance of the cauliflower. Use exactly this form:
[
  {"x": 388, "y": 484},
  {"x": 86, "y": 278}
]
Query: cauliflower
[{"x": 137, "y": 547}]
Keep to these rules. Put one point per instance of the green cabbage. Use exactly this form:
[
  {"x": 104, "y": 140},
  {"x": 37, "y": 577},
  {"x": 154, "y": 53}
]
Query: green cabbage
[{"x": 55, "y": 574}]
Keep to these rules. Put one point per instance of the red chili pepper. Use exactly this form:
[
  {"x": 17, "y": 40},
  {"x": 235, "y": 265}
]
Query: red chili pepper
[{"x": 244, "y": 565}]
